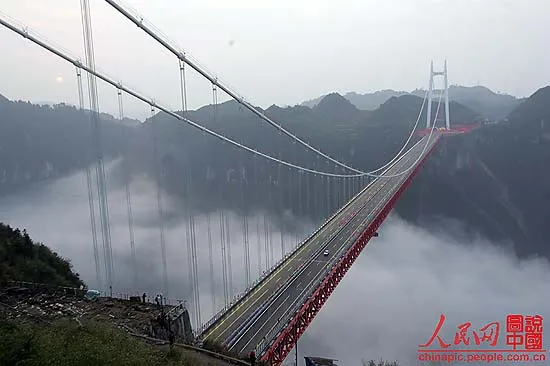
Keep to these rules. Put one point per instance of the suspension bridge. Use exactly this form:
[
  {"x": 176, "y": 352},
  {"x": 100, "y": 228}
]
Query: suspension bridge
[{"x": 269, "y": 315}]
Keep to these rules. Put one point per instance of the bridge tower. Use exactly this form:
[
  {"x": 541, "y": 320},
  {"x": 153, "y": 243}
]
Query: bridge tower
[{"x": 434, "y": 93}]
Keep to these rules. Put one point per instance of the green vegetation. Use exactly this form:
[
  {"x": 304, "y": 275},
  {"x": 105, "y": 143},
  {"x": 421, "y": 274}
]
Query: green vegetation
[
  {"x": 495, "y": 180},
  {"x": 23, "y": 260},
  {"x": 33, "y": 341},
  {"x": 363, "y": 139},
  {"x": 66, "y": 342}
]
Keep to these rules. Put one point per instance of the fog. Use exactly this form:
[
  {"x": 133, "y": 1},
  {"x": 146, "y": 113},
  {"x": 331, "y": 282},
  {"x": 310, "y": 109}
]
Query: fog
[
  {"x": 57, "y": 214},
  {"x": 388, "y": 303},
  {"x": 391, "y": 299},
  {"x": 364, "y": 45}
]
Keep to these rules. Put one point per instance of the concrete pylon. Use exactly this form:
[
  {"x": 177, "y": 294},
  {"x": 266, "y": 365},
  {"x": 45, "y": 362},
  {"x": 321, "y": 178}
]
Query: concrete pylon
[{"x": 432, "y": 95}]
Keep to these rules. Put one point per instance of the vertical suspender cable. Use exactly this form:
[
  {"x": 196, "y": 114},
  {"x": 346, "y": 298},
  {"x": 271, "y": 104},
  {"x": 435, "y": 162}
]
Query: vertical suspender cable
[
  {"x": 183, "y": 89},
  {"x": 317, "y": 201},
  {"x": 190, "y": 266},
  {"x": 90, "y": 186},
  {"x": 281, "y": 197},
  {"x": 224, "y": 258},
  {"x": 190, "y": 277},
  {"x": 194, "y": 258},
  {"x": 345, "y": 186},
  {"x": 308, "y": 194},
  {"x": 328, "y": 192},
  {"x": 221, "y": 215},
  {"x": 208, "y": 219},
  {"x": 267, "y": 223},
  {"x": 126, "y": 177},
  {"x": 266, "y": 229},
  {"x": 258, "y": 237},
  {"x": 266, "y": 243},
  {"x": 228, "y": 243},
  {"x": 298, "y": 213},
  {"x": 156, "y": 163},
  {"x": 290, "y": 202},
  {"x": 211, "y": 264},
  {"x": 191, "y": 237},
  {"x": 337, "y": 189},
  {"x": 100, "y": 171},
  {"x": 246, "y": 243},
  {"x": 349, "y": 188}
]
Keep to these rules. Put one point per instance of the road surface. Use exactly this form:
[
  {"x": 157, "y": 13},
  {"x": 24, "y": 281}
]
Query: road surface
[{"x": 336, "y": 237}]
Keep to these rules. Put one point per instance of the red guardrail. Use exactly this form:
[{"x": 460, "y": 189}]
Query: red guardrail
[{"x": 284, "y": 343}]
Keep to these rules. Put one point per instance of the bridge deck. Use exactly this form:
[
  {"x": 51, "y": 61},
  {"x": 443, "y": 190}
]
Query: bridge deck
[{"x": 259, "y": 317}]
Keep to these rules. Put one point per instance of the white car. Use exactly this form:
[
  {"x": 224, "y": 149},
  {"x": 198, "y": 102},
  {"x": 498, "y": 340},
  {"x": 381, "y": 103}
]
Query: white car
[{"x": 325, "y": 253}]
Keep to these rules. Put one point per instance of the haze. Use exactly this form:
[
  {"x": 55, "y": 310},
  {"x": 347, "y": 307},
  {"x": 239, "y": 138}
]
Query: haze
[
  {"x": 284, "y": 52},
  {"x": 396, "y": 290}
]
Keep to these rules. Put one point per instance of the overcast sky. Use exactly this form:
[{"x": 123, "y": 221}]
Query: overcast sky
[{"x": 285, "y": 51}]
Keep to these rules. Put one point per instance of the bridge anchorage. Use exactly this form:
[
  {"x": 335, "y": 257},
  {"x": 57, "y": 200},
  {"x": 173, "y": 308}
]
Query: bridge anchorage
[{"x": 273, "y": 312}]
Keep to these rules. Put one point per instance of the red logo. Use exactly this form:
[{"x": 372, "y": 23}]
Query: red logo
[{"x": 523, "y": 332}]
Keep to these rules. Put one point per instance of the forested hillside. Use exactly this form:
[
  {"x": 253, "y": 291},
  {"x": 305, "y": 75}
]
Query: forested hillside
[
  {"x": 43, "y": 142},
  {"x": 495, "y": 180},
  {"x": 492, "y": 180},
  {"x": 21, "y": 259}
]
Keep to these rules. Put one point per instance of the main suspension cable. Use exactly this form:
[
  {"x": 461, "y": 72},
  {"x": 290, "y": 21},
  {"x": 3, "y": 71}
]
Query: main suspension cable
[
  {"x": 108, "y": 80},
  {"x": 184, "y": 56},
  {"x": 152, "y": 103},
  {"x": 160, "y": 209}
]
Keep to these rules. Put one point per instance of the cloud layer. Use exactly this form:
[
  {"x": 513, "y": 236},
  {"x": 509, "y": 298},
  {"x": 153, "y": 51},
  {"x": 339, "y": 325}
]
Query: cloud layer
[
  {"x": 391, "y": 299},
  {"x": 388, "y": 303}
]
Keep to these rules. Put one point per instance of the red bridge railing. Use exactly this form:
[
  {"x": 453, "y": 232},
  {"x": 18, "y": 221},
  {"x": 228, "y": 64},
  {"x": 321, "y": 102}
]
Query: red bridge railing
[{"x": 286, "y": 340}]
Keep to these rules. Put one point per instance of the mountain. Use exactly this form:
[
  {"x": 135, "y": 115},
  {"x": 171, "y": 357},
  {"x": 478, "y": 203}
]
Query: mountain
[
  {"x": 533, "y": 115},
  {"x": 402, "y": 108},
  {"x": 494, "y": 180},
  {"x": 363, "y": 139},
  {"x": 371, "y": 101},
  {"x": 44, "y": 142},
  {"x": 368, "y": 101},
  {"x": 480, "y": 99},
  {"x": 336, "y": 107}
]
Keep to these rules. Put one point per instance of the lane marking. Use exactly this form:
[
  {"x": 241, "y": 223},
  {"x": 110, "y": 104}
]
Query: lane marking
[
  {"x": 298, "y": 285},
  {"x": 359, "y": 200},
  {"x": 296, "y": 255},
  {"x": 356, "y": 217},
  {"x": 362, "y": 219},
  {"x": 260, "y": 328}
]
